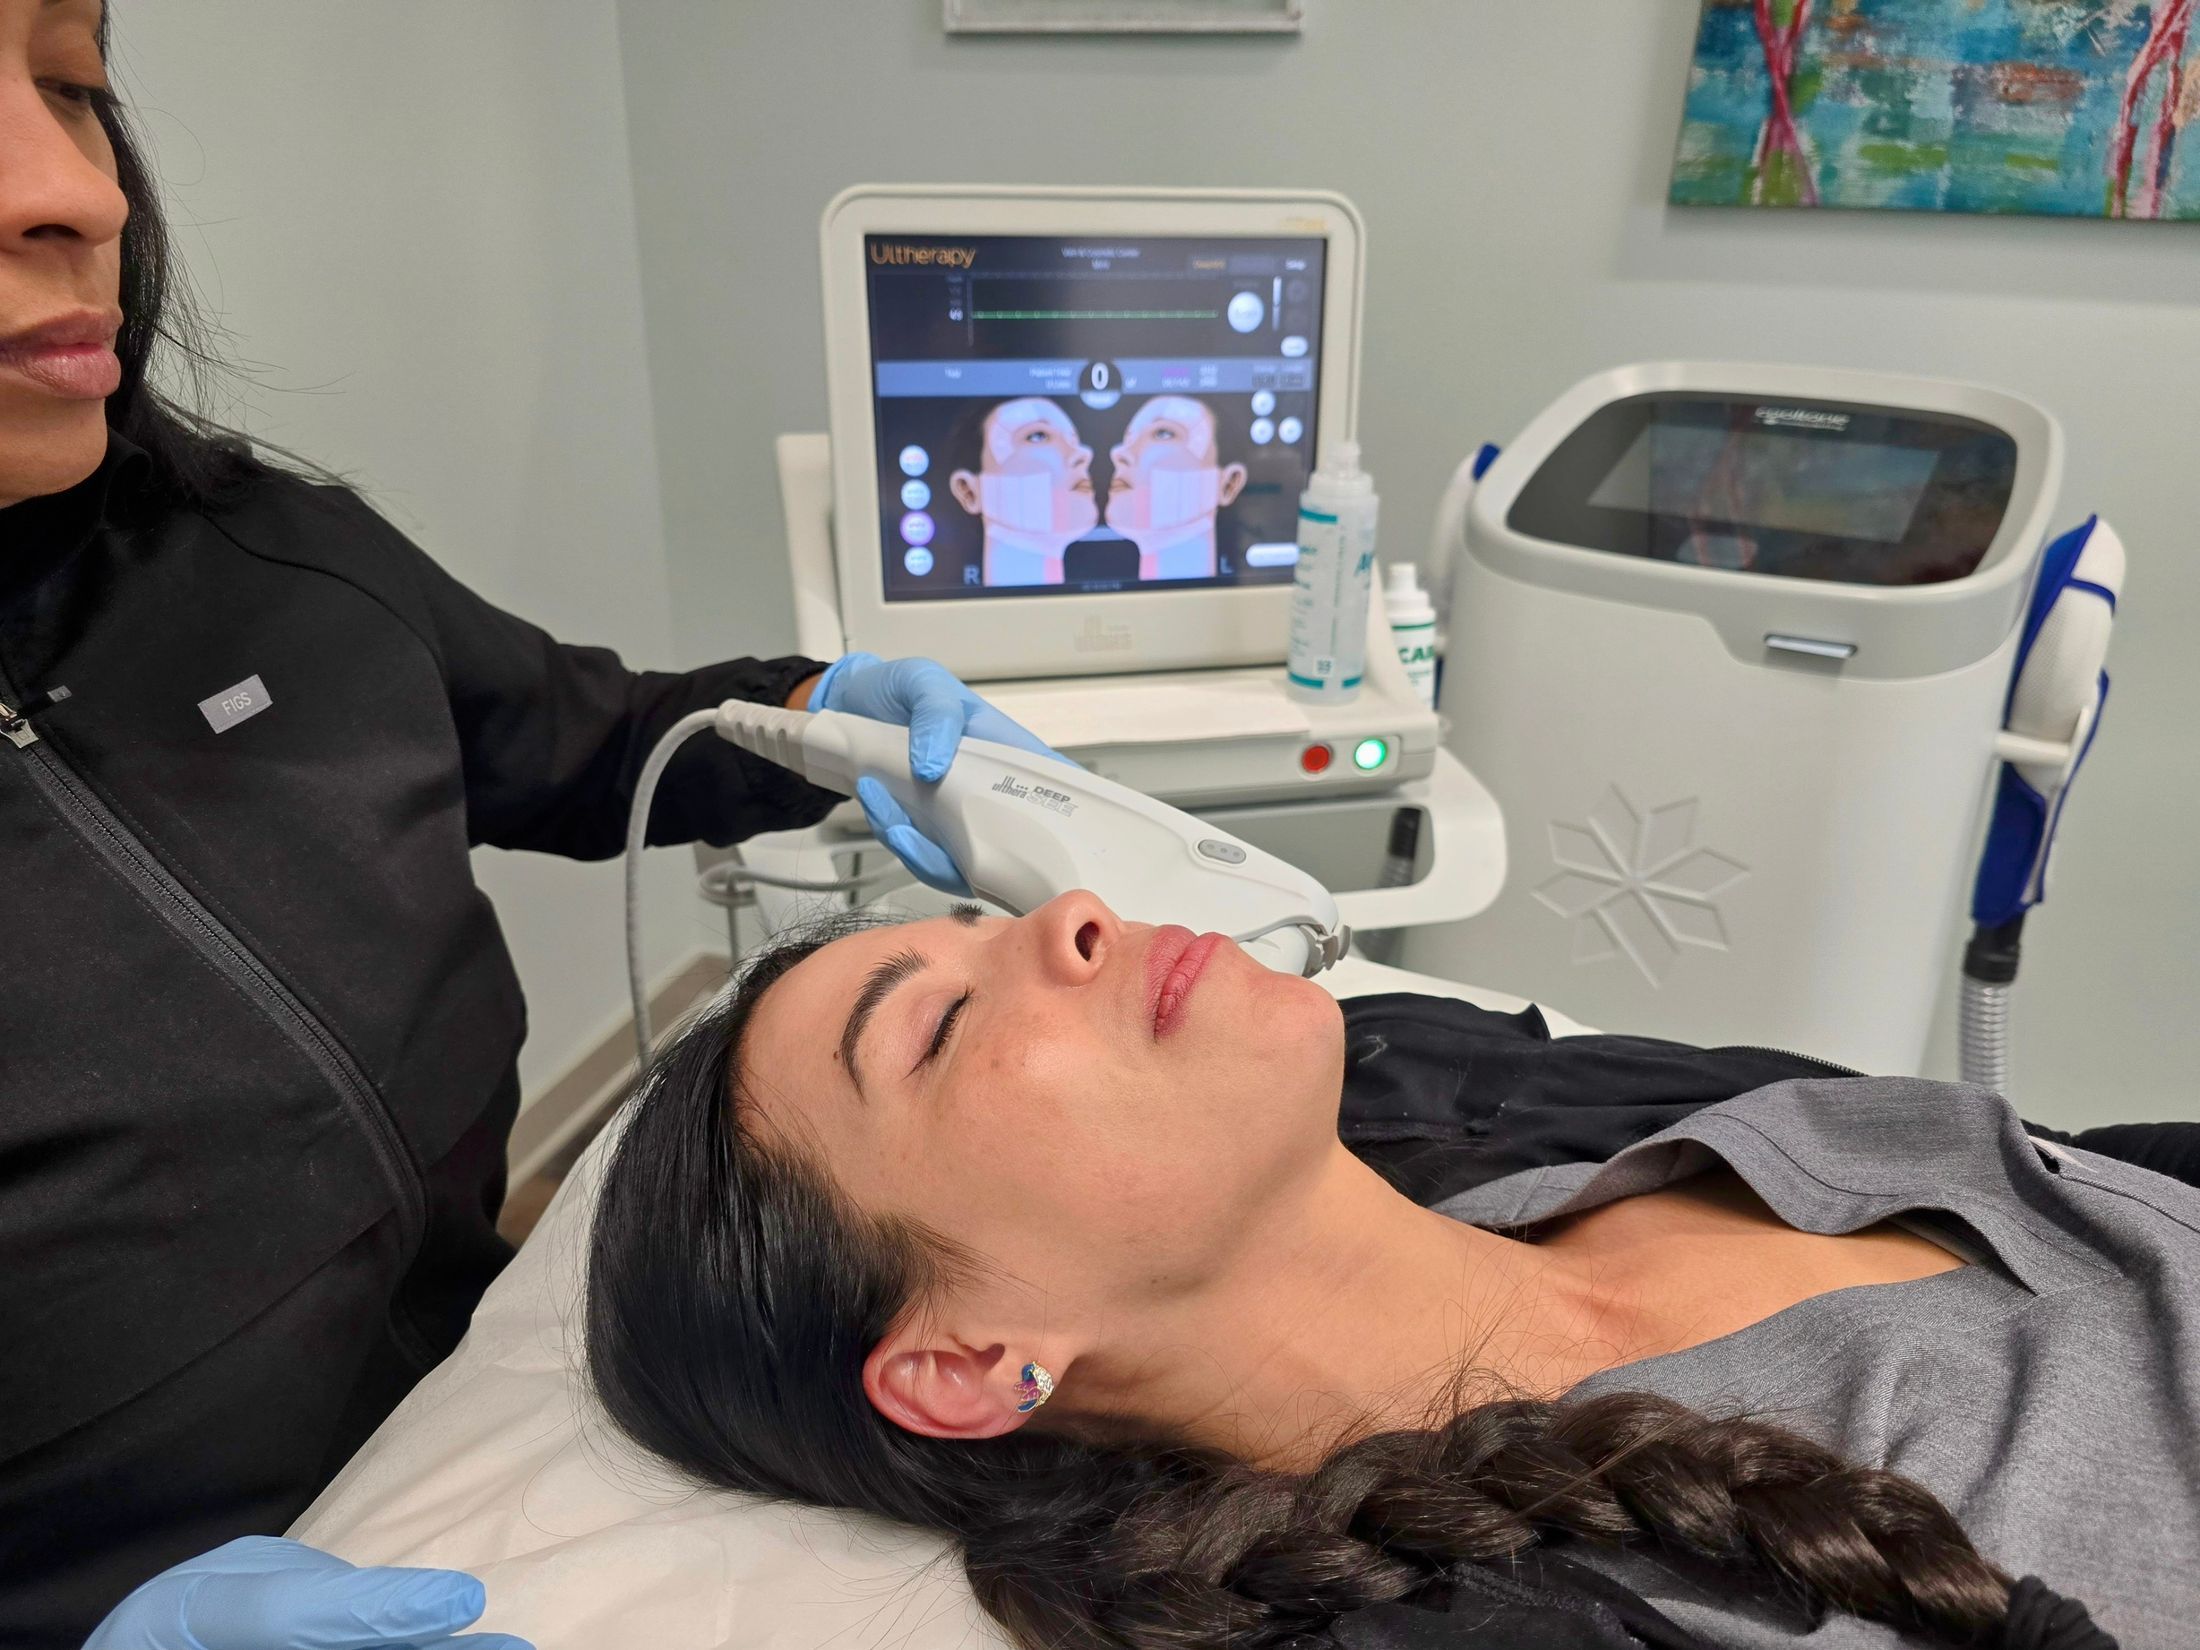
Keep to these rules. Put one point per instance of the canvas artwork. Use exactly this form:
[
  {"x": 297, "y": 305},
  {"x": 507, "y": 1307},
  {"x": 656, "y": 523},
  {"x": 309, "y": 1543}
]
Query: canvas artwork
[{"x": 2071, "y": 107}]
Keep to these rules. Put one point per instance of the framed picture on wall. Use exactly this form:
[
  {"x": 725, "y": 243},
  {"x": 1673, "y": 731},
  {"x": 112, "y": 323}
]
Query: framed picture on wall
[
  {"x": 1123, "y": 16},
  {"x": 2070, "y": 108}
]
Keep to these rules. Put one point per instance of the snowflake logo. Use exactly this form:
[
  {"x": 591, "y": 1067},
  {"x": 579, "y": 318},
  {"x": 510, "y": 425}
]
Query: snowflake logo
[{"x": 1635, "y": 884}]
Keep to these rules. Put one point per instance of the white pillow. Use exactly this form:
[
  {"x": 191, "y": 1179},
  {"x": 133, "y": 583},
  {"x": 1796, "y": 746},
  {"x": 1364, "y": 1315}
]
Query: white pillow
[{"x": 500, "y": 1464}]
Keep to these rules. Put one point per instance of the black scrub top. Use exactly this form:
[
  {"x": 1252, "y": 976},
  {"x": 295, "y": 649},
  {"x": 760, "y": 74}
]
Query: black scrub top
[{"x": 257, "y": 1023}]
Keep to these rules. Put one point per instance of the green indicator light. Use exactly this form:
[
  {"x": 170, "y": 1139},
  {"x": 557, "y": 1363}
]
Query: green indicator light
[{"x": 1369, "y": 754}]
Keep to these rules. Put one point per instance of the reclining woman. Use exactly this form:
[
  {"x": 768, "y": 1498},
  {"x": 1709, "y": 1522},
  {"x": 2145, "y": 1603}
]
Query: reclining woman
[{"x": 1039, "y": 1233}]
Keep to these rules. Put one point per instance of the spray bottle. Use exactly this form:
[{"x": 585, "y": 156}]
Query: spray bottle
[{"x": 1328, "y": 653}]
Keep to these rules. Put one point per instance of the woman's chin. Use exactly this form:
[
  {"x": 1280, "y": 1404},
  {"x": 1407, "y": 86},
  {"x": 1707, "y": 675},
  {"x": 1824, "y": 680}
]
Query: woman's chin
[
  {"x": 51, "y": 450},
  {"x": 1296, "y": 1010}
]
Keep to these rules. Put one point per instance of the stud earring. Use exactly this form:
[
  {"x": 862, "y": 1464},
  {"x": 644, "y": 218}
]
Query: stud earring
[{"x": 1034, "y": 1389}]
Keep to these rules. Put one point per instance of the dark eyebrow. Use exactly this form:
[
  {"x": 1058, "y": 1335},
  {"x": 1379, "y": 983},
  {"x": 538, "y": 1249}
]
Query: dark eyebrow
[
  {"x": 901, "y": 966},
  {"x": 880, "y": 984}
]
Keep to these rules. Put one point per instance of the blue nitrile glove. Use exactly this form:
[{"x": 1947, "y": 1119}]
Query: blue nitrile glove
[
  {"x": 261, "y": 1593},
  {"x": 939, "y": 712}
]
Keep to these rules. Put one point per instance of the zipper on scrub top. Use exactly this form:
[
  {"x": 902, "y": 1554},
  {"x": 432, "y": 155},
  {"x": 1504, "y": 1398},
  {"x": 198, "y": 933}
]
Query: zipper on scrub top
[
  {"x": 15, "y": 725},
  {"x": 114, "y": 842}
]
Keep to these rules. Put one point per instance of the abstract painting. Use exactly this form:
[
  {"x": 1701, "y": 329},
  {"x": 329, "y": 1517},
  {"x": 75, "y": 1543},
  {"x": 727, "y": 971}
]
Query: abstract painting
[{"x": 2075, "y": 108}]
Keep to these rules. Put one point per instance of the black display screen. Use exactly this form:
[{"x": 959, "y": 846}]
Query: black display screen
[
  {"x": 1072, "y": 415},
  {"x": 1810, "y": 490}
]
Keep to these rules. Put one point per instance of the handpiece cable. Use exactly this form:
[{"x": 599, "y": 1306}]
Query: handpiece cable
[
  {"x": 718, "y": 883},
  {"x": 637, "y": 835}
]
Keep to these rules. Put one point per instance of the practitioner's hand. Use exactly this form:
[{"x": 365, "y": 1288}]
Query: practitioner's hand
[
  {"x": 939, "y": 712},
  {"x": 261, "y": 1593}
]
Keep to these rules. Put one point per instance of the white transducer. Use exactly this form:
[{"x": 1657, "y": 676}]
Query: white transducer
[{"x": 1023, "y": 828}]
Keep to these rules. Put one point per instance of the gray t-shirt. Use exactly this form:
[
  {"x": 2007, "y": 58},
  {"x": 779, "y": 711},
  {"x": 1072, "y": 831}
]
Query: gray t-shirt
[{"x": 2048, "y": 1393}]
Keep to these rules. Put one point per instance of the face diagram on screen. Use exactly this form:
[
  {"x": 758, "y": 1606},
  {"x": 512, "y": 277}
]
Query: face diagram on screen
[
  {"x": 1167, "y": 486},
  {"x": 1062, "y": 416},
  {"x": 1032, "y": 490}
]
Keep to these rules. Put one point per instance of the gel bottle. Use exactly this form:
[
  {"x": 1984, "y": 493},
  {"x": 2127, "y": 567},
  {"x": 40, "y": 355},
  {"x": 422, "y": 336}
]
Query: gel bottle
[
  {"x": 1329, "y": 591},
  {"x": 1412, "y": 628}
]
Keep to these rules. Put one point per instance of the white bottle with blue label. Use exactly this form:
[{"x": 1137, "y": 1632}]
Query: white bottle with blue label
[{"x": 1329, "y": 594}]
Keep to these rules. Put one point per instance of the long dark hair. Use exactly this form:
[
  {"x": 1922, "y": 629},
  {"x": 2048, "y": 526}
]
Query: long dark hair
[
  {"x": 191, "y": 460},
  {"x": 734, "y": 1295}
]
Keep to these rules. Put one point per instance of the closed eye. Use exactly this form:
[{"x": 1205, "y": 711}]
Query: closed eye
[
  {"x": 939, "y": 1037},
  {"x": 70, "y": 91}
]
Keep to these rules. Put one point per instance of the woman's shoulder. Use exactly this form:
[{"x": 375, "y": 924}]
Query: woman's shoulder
[
  {"x": 316, "y": 523},
  {"x": 297, "y": 534},
  {"x": 282, "y": 512}
]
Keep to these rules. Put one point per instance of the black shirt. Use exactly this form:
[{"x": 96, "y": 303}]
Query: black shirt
[{"x": 257, "y": 1024}]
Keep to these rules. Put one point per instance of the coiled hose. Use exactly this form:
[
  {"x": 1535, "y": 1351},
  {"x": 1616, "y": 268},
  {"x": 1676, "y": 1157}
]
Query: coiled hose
[
  {"x": 1989, "y": 970},
  {"x": 1985, "y": 1034}
]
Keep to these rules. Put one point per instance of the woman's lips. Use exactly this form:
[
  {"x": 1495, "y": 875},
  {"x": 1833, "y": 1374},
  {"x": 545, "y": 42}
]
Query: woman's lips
[
  {"x": 73, "y": 356},
  {"x": 81, "y": 372},
  {"x": 1174, "y": 962},
  {"x": 1169, "y": 942}
]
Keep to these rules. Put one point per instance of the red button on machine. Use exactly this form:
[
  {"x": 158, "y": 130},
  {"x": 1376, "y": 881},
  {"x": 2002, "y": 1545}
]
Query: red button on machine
[{"x": 1314, "y": 758}]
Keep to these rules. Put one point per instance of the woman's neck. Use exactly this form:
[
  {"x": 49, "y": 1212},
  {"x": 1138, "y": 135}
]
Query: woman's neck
[{"x": 1354, "y": 1309}]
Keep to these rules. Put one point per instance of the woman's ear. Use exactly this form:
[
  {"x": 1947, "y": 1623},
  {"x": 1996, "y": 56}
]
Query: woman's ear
[
  {"x": 1229, "y": 484},
  {"x": 964, "y": 486},
  {"x": 936, "y": 1387}
]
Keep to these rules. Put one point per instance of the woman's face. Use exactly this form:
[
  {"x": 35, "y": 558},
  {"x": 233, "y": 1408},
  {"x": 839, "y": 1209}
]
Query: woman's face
[
  {"x": 61, "y": 217},
  {"x": 1093, "y": 1106}
]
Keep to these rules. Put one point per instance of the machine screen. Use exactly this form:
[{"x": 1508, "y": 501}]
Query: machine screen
[
  {"x": 1848, "y": 494},
  {"x": 1849, "y": 489},
  {"x": 1071, "y": 415}
]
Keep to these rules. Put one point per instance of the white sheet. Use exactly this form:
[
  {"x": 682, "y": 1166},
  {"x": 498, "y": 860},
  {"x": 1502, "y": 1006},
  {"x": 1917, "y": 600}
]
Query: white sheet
[{"x": 499, "y": 1464}]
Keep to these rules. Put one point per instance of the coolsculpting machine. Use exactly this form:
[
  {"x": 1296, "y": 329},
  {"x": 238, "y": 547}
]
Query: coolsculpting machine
[{"x": 1732, "y": 646}]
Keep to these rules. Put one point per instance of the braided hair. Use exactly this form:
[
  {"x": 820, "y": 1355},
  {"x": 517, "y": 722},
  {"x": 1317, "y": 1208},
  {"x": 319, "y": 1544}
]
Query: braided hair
[
  {"x": 1177, "y": 1548},
  {"x": 734, "y": 1295}
]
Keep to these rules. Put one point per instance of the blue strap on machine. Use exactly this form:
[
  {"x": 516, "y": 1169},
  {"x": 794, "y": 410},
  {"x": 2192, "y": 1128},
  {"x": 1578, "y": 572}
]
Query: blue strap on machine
[{"x": 2012, "y": 874}]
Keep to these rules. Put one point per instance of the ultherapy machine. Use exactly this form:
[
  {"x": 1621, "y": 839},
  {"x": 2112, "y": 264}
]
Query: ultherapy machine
[
  {"x": 1069, "y": 432},
  {"x": 1069, "y": 435}
]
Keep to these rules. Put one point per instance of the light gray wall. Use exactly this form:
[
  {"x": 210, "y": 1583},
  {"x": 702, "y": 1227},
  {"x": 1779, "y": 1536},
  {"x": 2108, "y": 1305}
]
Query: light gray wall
[
  {"x": 416, "y": 221},
  {"x": 1510, "y": 158}
]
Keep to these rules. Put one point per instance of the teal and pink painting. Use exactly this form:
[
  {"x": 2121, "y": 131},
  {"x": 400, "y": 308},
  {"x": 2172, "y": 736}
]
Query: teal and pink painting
[{"x": 2076, "y": 108}]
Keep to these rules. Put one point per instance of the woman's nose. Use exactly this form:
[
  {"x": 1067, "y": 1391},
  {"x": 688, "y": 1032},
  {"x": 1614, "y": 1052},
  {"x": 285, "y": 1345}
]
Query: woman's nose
[
  {"x": 51, "y": 190},
  {"x": 1074, "y": 933}
]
